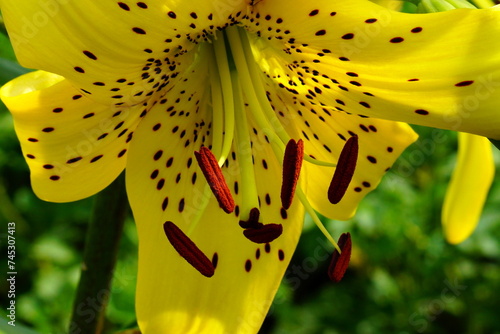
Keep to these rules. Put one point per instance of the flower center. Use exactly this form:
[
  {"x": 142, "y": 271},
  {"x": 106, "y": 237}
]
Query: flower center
[{"x": 237, "y": 92}]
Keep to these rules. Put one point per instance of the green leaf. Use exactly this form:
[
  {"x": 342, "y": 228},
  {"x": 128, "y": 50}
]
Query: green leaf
[
  {"x": 495, "y": 142},
  {"x": 5, "y": 328},
  {"x": 6, "y": 50},
  {"x": 10, "y": 70}
]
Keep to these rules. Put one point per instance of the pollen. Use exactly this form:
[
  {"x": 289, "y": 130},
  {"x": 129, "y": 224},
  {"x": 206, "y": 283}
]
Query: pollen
[
  {"x": 292, "y": 164},
  {"x": 213, "y": 175},
  {"x": 340, "y": 261},
  {"x": 188, "y": 250},
  {"x": 344, "y": 171}
]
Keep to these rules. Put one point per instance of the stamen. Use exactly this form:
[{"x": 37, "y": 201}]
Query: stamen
[
  {"x": 188, "y": 250},
  {"x": 226, "y": 91},
  {"x": 213, "y": 174},
  {"x": 340, "y": 261},
  {"x": 292, "y": 163},
  {"x": 253, "y": 221},
  {"x": 263, "y": 234},
  {"x": 344, "y": 171}
]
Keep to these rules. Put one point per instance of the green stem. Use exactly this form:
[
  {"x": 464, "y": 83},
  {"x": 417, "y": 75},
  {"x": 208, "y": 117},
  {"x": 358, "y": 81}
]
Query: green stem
[{"x": 101, "y": 248}]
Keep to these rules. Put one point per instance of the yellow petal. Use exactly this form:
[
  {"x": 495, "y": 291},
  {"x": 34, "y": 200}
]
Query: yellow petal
[
  {"x": 74, "y": 147},
  {"x": 468, "y": 188},
  {"x": 440, "y": 70},
  {"x": 116, "y": 52},
  {"x": 324, "y": 131},
  {"x": 164, "y": 183}
]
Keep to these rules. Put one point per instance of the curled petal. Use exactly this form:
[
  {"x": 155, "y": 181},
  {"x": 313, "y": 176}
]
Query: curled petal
[{"x": 468, "y": 187}]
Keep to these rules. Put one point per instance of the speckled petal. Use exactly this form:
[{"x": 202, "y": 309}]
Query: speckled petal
[
  {"x": 437, "y": 70},
  {"x": 468, "y": 188},
  {"x": 117, "y": 52},
  {"x": 74, "y": 147},
  {"x": 325, "y": 131},
  {"x": 164, "y": 183}
]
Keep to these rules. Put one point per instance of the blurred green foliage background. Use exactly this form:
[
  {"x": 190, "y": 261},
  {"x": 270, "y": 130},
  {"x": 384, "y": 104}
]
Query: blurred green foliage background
[{"x": 403, "y": 278}]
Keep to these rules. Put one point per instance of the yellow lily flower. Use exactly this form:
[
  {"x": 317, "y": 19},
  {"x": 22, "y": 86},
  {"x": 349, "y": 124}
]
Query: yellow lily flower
[{"x": 146, "y": 85}]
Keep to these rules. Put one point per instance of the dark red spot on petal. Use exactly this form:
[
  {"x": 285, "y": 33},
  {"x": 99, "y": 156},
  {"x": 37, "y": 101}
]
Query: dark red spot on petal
[
  {"x": 90, "y": 55},
  {"x": 157, "y": 155},
  {"x": 340, "y": 262},
  {"x": 164, "y": 204},
  {"x": 94, "y": 159},
  {"x": 344, "y": 171},
  {"x": 248, "y": 266},
  {"x": 139, "y": 31},
  {"x": 464, "y": 83},
  {"x": 281, "y": 255},
  {"x": 397, "y": 40},
  {"x": 188, "y": 250},
  {"x": 422, "y": 112},
  {"x": 123, "y": 6},
  {"x": 73, "y": 160}
]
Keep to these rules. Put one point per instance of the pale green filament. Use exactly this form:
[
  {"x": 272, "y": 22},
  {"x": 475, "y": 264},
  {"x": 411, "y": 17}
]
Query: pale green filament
[
  {"x": 244, "y": 69},
  {"x": 249, "y": 192},
  {"x": 207, "y": 52},
  {"x": 247, "y": 82},
  {"x": 310, "y": 210},
  {"x": 260, "y": 92},
  {"x": 217, "y": 105},
  {"x": 227, "y": 93},
  {"x": 230, "y": 123}
]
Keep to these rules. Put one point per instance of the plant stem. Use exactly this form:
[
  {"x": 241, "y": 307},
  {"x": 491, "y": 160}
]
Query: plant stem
[{"x": 101, "y": 248}]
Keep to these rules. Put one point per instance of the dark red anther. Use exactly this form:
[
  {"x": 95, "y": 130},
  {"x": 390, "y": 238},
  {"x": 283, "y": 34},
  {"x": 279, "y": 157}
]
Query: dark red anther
[
  {"x": 264, "y": 233},
  {"x": 213, "y": 175},
  {"x": 340, "y": 262},
  {"x": 344, "y": 171},
  {"x": 188, "y": 250},
  {"x": 253, "y": 220},
  {"x": 292, "y": 163}
]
